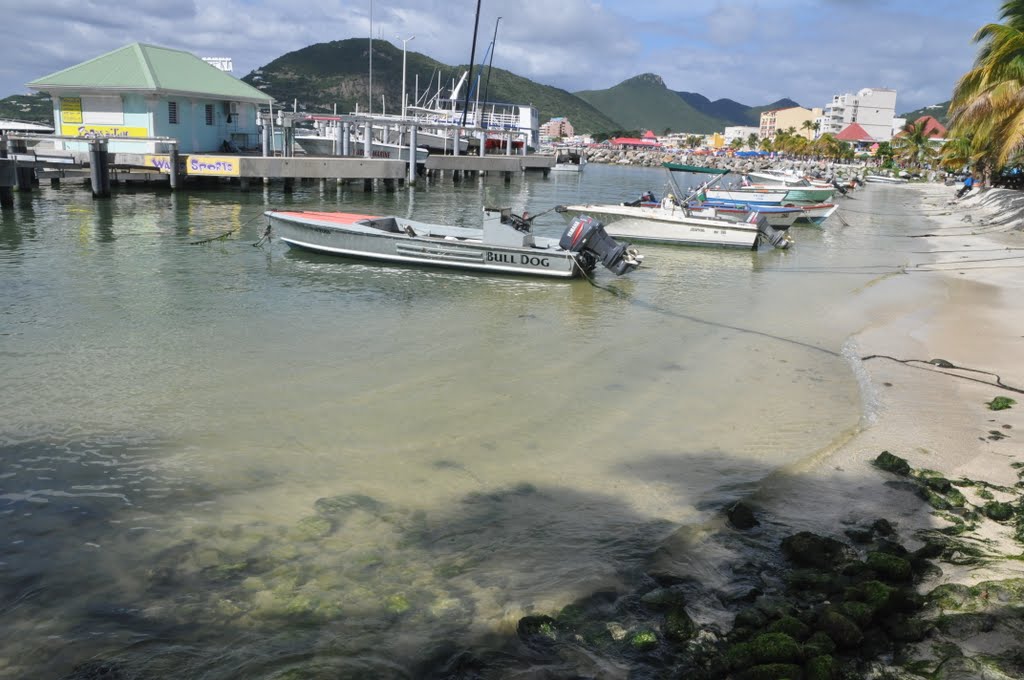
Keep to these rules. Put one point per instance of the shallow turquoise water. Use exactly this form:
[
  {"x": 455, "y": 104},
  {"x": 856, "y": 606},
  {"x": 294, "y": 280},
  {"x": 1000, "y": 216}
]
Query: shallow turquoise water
[{"x": 233, "y": 461}]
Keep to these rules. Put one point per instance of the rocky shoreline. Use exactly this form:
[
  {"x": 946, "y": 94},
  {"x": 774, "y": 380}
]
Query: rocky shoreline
[{"x": 654, "y": 159}]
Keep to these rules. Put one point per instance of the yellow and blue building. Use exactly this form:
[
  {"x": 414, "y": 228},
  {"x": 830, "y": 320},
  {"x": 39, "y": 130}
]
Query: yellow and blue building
[{"x": 142, "y": 90}]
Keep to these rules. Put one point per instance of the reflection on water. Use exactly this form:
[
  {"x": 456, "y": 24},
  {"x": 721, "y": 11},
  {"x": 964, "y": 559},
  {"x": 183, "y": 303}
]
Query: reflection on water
[{"x": 227, "y": 461}]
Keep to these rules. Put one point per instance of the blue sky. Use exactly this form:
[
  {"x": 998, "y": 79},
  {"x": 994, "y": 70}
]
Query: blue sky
[{"x": 753, "y": 51}]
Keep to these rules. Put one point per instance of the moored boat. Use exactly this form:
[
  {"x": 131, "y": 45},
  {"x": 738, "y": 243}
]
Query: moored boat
[
  {"x": 884, "y": 179},
  {"x": 678, "y": 225},
  {"x": 505, "y": 244}
]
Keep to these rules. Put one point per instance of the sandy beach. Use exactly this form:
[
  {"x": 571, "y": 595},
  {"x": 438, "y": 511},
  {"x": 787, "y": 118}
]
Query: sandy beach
[{"x": 963, "y": 305}]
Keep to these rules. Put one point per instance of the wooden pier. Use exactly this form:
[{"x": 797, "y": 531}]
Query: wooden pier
[{"x": 23, "y": 158}]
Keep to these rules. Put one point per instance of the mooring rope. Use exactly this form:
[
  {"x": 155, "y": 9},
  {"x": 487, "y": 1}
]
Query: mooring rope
[
  {"x": 942, "y": 363},
  {"x": 226, "y": 233}
]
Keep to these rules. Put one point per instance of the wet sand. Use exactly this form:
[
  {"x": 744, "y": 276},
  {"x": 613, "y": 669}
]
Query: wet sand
[{"x": 965, "y": 307}]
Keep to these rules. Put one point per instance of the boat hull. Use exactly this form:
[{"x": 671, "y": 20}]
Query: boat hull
[
  {"x": 658, "y": 225},
  {"x": 431, "y": 245}
]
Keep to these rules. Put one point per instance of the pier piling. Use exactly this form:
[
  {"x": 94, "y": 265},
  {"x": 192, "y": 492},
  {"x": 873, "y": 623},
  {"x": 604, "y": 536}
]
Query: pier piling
[{"x": 99, "y": 168}]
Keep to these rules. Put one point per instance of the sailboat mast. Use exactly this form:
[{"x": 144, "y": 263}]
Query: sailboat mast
[
  {"x": 494, "y": 40},
  {"x": 369, "y": 94},
  {"x": 472, "y": 57}
]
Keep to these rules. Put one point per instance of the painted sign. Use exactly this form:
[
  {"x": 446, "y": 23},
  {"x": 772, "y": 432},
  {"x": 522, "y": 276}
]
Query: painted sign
[
  {"x": 218, "y": 166},
  {"x": 103, "y": 131},
  {"x": 70, "y": 110},
  {"x": 161, "y": 163}
]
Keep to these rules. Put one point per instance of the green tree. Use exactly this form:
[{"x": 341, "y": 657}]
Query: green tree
[
  {"x": 752, "y": 141},
  {"x": 988, "y": 101},
  {"x": 913, "y": 146}
]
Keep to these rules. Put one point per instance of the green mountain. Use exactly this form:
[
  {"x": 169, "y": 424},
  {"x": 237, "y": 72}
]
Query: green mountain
[
  {"x": 31, "y": 108},
  {"x": 643, "y": 102},
  {"x": 322, "y": 76},
  {"x": 938, "y": 111},
  {"x": 730, "y": 112}
]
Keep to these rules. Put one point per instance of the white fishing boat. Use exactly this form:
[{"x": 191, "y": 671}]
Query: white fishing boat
[
  {"x": 569, "y": 161},
  {"x": 754, "y": 197},
  {"x": 884, "y": 179},
  {"x": 679, "y": 225},
  {"x": 506, "y": 244}
]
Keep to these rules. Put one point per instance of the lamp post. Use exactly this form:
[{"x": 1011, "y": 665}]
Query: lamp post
[{"x": 405, "y": 41}]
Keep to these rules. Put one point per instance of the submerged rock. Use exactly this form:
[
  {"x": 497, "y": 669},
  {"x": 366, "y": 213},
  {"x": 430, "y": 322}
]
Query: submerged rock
[{"x": 811, "y": 550}]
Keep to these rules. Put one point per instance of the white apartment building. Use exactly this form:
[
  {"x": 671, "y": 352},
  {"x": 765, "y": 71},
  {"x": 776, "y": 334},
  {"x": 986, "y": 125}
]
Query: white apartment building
[
  {"x": 741, "y": 131},
  {"x": 872, "y": 108}
]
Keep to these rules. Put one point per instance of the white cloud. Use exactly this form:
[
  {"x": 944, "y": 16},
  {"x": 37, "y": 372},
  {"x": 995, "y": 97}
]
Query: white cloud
[{"x": 754, "y": 51}]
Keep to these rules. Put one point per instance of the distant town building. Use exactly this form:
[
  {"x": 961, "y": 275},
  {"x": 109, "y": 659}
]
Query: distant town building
[
  {"x": 777, "y": 120},
  {"x": 740, "y": 132},
  {"x": 872, "y": 108},
  {"x": 557, "y": 128},
  {"x": 143, "y": 90},
  {"x": 648, "y": 141},
  {"x": 855, "y": 134}
]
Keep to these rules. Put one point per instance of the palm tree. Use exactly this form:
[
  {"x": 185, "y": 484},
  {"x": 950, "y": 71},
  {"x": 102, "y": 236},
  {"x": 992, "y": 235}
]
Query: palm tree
[
  {"x": 913, "y": 145},
  {"x": 988, "y": 101},
  {"x": 808, "y": 126},
  {"x": 752, "y": 141}
]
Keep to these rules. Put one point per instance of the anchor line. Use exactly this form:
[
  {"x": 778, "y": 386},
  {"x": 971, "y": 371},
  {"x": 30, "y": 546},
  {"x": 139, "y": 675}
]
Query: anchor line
[{"x": 942, "y": 363}]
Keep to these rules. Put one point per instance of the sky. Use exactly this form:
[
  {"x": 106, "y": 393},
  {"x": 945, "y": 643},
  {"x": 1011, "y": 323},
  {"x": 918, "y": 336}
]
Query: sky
[{"x": 752, "y": 51}]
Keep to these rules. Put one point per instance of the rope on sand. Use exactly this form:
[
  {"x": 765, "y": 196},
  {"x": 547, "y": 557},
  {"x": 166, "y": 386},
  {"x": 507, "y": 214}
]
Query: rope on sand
[{"x": 936, "y": 364}]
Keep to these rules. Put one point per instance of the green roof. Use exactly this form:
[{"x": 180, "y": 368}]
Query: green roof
[
  {"x": 147, "y": 68},
  {"x": 679, "y": 167}
]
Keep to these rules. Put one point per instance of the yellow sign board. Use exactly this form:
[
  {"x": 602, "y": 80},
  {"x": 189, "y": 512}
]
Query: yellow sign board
[
  {"x": 103, "y": 131},
  {"x": 161, "y": 163},
  {"x": 70, "y": 109},
  {"x": 216, "y": 166}
]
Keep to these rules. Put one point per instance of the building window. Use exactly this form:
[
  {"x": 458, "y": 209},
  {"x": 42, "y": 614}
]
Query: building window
[
  {"x": 172, "y": 113},
  {"x": 209, "y": 114}
]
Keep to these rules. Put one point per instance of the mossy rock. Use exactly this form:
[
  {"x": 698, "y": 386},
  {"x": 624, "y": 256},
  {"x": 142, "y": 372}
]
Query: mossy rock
[
  {"x": 312, "y": 528},
  {"x": 819, "y": 644},
  {"x": 814, "y": 581},
  {"x": 894, "y": 464},
  {"x": 741, "y": 516},
  {"x": 337, "y": 507},
  {"x": 775, "y": 648},
  {"x": 998, "y": 511},
  {"x": 643, "y": 640},
  {"x": 771, "y": 671},
  {"x": 939, "y": 484},
  {"x": 739, "y": 656},
  {"x": 823, "y": 667},
  {"x": 537, "y": 629},
  {"x": 949, "y": 596},
  {"x": 844, "y": 632},
  {"x": 883, "y": 527},
  {"x": 679, "y": 627},
  {"x": 791, "y": 626},
  {"x": 889, "y": 567},
  {"x": 397, "y": 604},
  {"x": 875, "y": 594},
  {"x": 907, "y": 628},
  {"x": 858, "y": 612},
  {"x": 806, "y": 549},
  {"x": 750, "y": 617},
  {"x": 1000, "y": 403}
]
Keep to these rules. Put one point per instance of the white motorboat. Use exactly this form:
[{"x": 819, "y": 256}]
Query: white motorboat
[
  {"x": 506, "y": 244},
  {"x": 883, "y": 179},
  {"x": 679, "y": 225},
  {"x": 569, "y": 161}
]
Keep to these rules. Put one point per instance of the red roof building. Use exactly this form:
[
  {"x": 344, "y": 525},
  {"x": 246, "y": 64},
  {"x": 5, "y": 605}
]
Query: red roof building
[
  {"x": 856, "y": 134},
  {"x": 635, "y": 143},
  {"x": 933, "y": 128}
]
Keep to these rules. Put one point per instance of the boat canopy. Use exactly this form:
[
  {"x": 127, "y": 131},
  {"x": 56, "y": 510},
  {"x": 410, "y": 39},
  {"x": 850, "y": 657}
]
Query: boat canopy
[{"x": 679, "y": 167}]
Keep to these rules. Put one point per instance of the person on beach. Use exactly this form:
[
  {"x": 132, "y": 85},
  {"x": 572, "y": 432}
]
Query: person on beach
[{"x": 968, "y": 185}]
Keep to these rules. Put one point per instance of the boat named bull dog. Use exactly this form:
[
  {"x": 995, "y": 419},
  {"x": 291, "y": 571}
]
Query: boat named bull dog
[{"x": 505, "y": 244}]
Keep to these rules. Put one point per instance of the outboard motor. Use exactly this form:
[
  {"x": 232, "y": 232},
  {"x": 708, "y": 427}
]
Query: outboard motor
[
  {"x": 840, "y": 187},
  {"x": 587, "y": 237}
]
